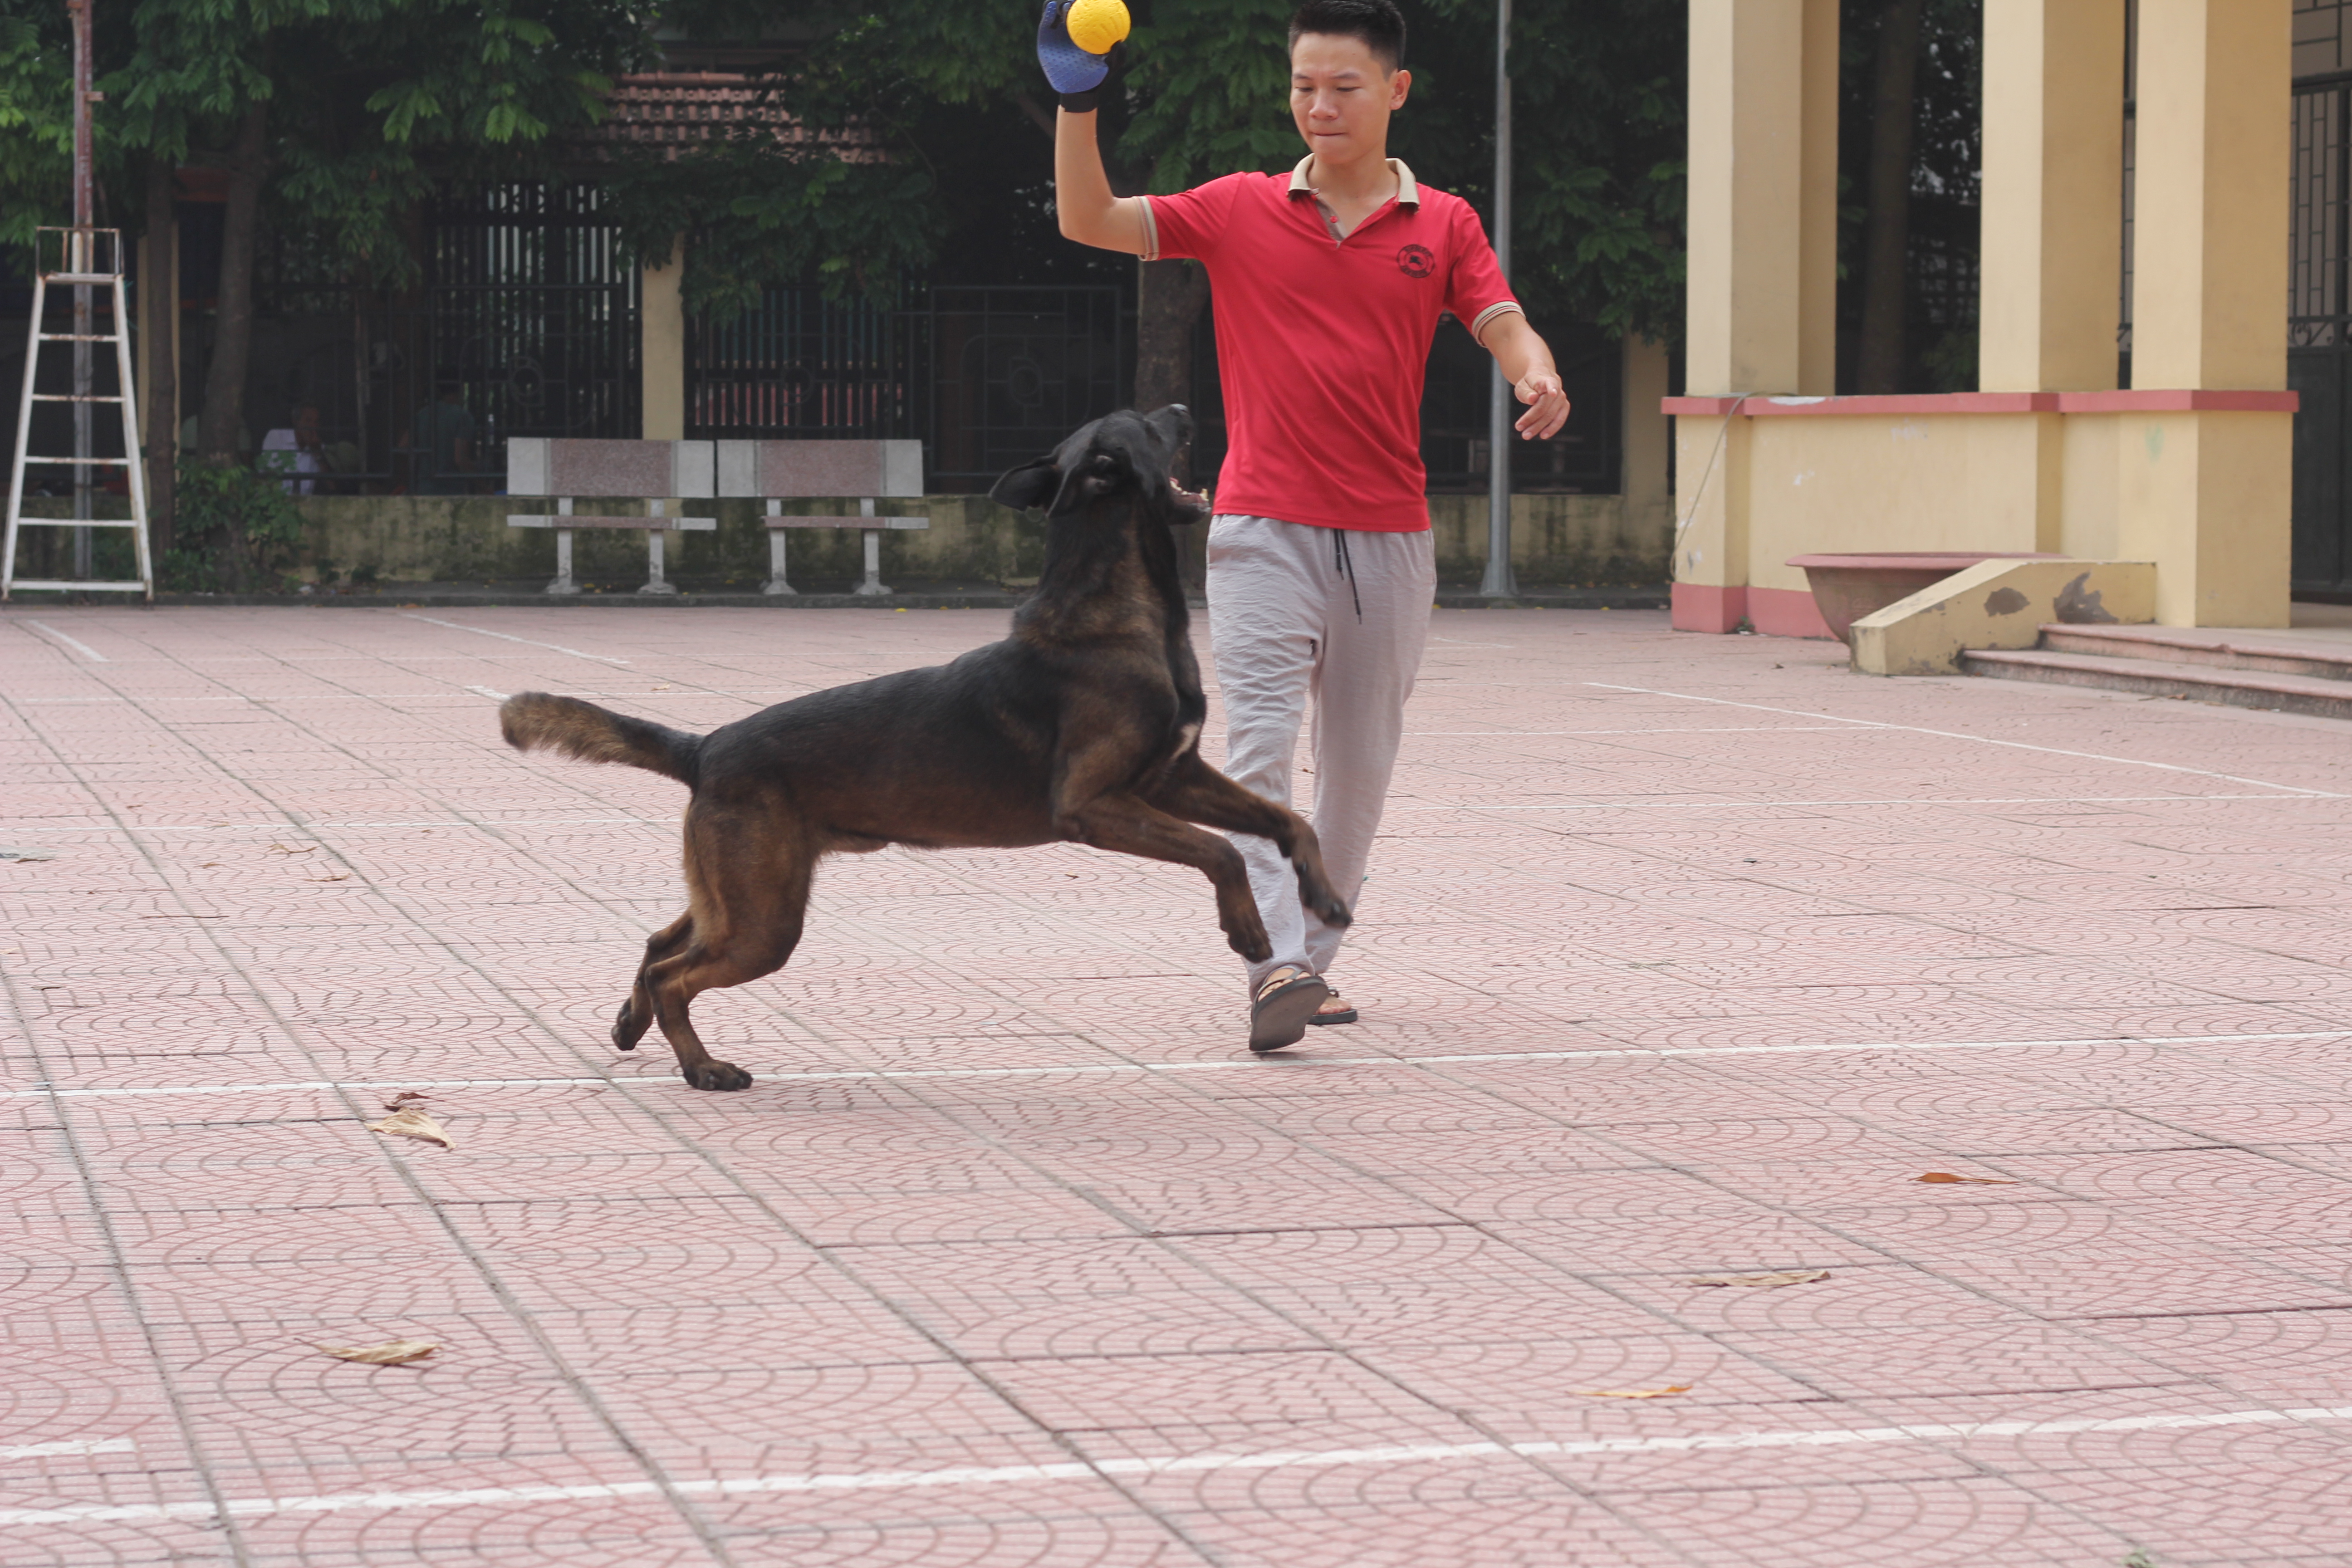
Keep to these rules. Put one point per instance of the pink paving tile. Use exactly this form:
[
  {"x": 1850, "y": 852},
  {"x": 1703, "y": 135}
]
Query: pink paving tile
[{"x": 1372, "y": 1256}]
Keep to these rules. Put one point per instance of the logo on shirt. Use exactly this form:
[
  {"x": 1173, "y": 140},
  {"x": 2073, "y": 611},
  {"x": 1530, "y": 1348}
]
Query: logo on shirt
[{"x": 1416, "y": 261}]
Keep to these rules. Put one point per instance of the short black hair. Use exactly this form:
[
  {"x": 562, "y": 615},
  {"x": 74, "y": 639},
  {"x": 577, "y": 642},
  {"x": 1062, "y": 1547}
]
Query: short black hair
[{"x": 1378, "y": 23}]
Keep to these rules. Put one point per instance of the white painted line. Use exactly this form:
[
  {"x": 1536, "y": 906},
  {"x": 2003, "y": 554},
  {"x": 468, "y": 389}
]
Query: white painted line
[
  {"x": 1981, "y": 740},
  {"x": 1915, "y": 800},
  {"x": 502, "y": 637},
  {"x": 1182, "y": 1464},
  {"x": 83, "y": 648},
  {"x": 493, "y": 696},
  {"x": 274, "y": 702},
  {"x": 1252, "y": 1064},
  {"x": 338, "y": 826},
  {"x": 79, "y": 1446},
  {"x": 1668, "y": 730}
]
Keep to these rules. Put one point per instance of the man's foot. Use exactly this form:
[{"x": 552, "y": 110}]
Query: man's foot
[
  {"x": 1285, "y": 1005},
  {"x": 1335, "y": 1010}
]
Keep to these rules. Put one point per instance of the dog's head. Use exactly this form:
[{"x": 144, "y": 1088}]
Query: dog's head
[{"x": 1124, "y": 452}]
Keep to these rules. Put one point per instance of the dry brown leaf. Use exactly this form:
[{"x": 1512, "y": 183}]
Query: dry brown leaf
[
  {"x": 289, "y": 850},
  {"x": 1635, "y": 1393},
  {"x": 343, "y": 877},
  {"x": 209, "y": 866},
  {"x": 393, "y": 1354},
  {"x": 400, "y": 1101},
  {"x": 1946, "y": 1176},
  {"x": 1764, "y": 1282},
  {"x": 412, "y": 1123}
]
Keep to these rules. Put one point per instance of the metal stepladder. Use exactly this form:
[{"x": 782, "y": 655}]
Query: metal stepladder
[{"x": 89, "y": 259}]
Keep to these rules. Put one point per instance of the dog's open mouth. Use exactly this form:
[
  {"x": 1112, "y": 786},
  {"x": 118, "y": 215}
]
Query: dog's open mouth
[{"x": 1191, "y": 501}]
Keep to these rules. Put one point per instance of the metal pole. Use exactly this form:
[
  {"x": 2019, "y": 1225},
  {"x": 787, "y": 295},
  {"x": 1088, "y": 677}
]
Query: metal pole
[
  {"x": 1500, "y": 583},
  {"x": 81, "y": 256}
]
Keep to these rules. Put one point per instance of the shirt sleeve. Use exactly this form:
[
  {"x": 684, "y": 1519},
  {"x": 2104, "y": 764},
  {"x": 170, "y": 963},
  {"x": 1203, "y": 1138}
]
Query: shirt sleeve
[
  {"x": 1189, "y": 223},
  {"x": 1475, "y": 291}
]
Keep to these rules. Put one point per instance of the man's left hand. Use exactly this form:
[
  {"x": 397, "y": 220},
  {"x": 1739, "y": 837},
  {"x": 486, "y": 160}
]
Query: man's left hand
[{"x": 1547, "y": 406}]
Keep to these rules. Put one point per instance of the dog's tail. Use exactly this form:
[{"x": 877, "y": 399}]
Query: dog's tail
[{"x": 538, "y": 721}]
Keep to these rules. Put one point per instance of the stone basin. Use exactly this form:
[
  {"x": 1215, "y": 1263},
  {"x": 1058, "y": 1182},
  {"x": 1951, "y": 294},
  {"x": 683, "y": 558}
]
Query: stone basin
[{"x": 1848, "y": 587}]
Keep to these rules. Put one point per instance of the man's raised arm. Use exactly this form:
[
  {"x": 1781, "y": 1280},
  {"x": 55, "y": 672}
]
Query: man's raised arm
[{"x": 1082, "y": 199}]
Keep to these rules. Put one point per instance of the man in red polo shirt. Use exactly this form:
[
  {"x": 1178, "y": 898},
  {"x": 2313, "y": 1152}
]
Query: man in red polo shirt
[{"x": 1329, "y": 282}]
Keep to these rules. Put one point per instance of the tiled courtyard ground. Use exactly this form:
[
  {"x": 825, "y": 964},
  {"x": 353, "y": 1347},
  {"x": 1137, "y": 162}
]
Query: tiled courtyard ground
[{"x": 1683, "y": 956}]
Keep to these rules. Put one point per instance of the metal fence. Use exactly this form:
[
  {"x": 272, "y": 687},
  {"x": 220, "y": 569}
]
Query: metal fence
[
  {"x": 985, "y": 378},
  {"x": 525, "y": 324},
  {"x": 2319, "y": 334}
]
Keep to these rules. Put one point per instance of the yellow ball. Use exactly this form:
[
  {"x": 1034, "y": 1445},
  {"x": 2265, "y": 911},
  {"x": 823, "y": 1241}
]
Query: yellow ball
[{"x": 1095, "y": 24}]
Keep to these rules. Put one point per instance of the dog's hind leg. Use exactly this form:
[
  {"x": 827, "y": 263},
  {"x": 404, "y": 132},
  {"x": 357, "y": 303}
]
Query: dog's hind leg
[
  {"x": 750, "y": 880},
  {"x": 1196, "y": 792},
  {"x": 637, "y": 1011}
]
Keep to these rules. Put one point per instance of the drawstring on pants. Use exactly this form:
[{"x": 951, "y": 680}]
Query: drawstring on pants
[{"x": 1346, "y": 569}]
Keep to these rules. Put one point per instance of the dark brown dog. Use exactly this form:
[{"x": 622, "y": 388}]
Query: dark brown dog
[{"x": 1083, "y": 726}]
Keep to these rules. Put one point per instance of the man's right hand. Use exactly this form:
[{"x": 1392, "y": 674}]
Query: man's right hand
[{"x": 1075, "y": 75}]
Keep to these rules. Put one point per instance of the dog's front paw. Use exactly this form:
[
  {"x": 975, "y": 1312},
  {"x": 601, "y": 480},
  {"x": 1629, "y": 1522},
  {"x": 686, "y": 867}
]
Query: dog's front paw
[
  {"x": 629, "y": 1028},
  {"x": 1246, "y": 935},
  {"x": 718, "y": 1075},
  {"x": 1317, "y": 895}
]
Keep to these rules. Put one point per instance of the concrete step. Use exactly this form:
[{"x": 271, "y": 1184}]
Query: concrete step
[
  {"x": 2168, "y": 646},
  {"x": 2156, "y": 677}
]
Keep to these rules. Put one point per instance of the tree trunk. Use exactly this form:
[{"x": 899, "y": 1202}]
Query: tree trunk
[
  {"x": 1888, "y": 238},
  {"x": 1170, "y": 296},
  {"x": 161, "y": 292},
  {"x": 1169, "y": 299},
  {"x": 233, "y": 325}
]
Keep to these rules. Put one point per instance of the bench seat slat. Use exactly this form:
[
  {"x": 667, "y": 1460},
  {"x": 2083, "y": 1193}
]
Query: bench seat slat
[
  {"x": 581, "y": 520},
  {"x": 851, "y": 521}
]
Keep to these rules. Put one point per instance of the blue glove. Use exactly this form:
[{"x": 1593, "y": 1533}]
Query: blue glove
[{"x": 1073, "y": 73}]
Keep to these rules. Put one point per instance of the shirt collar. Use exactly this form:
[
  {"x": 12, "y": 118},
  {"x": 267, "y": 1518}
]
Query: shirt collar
[{"x": 1408, "y": 191}]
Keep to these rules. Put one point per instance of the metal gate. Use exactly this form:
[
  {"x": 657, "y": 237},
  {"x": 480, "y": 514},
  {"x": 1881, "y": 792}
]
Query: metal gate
[{"x": 2319, "y": 336}]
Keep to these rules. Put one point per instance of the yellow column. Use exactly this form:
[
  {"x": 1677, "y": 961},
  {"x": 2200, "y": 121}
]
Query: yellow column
[
  {"x": 2209, "y": 250},
  {"x": 2206, "y": 495},
  {"x": 1746, "y": 189},
  {"x": 2053, "y": 212},
  {"x": 661, "y": 330},
  {"x": 1760, "y": 303},
  {"x": 1648, "y": 438}
]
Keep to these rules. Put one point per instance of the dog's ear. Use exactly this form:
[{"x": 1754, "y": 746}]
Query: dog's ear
[
  {"x": 1029, "y": 486},
  {"x": 1094, "y": 474},
  {"x": 1174, "y": 424}
]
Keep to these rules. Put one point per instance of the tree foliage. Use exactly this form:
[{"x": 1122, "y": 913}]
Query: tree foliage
[{"x": 1204, "y": 91}]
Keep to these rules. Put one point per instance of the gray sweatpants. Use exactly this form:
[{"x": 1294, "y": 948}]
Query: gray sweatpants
[{"x": 1341, "y": 616}]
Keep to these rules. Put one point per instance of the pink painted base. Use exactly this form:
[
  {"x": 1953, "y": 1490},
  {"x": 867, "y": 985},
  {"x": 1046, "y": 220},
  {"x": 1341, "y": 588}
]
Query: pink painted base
[{"x": 1772, "y": 612}]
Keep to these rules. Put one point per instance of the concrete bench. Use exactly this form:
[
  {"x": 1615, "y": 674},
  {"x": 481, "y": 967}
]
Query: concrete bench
[
  {"x": 657, "y": 472},
  {"x": 778, "y": 471}
]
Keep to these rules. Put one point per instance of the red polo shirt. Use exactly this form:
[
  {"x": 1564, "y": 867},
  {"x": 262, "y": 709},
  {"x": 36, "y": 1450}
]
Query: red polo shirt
[{"x": 1323, "y": 344}]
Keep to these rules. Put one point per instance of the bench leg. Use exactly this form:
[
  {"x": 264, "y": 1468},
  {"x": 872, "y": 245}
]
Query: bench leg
[
  {"x": 564, "y": 583},
  {"x": 655, "y": 582},
  {"x": 873, "y": 583},
  {"x": 776, "y": 584}
]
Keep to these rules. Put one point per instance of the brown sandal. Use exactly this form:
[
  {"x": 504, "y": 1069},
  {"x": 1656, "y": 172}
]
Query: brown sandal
[
  {"x": 1334, "y": 1011},
  {"x": 1284, "y": 1006}
]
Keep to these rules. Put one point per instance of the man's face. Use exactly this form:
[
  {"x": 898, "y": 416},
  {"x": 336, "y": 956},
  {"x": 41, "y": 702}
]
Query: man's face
[{"x": 1341, "y": 97}]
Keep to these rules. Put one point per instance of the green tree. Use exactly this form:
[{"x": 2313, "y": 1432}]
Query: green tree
[
  {"x": 1204, "y": 92},
  {"x": 332, "y": 118}
]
